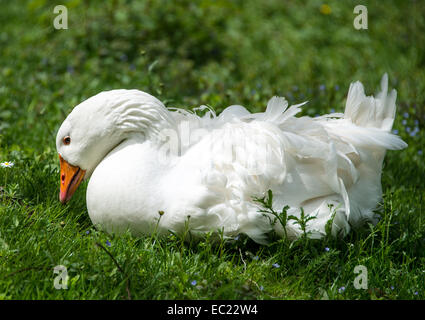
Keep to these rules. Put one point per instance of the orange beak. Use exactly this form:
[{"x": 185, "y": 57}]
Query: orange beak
[{"x": 71, "y": 177}]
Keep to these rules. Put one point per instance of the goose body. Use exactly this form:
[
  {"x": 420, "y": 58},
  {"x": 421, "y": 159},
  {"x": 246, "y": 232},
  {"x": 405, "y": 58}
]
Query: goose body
[{"x": 155, "y": 169}]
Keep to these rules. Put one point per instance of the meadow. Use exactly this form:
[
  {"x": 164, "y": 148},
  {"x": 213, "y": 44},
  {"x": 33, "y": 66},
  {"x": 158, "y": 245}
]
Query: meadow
[{"x": 218, "y": 53}]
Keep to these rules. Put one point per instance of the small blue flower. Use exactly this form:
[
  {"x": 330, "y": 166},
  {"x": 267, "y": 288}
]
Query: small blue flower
[
  {"x": 406, "y": 115},
  {"x": 123, "y": 57},
  {"x": 108, "y": 243},
  {"x": 420, "y": 152},
  {"x": 408, "y": 129},
  {"x": 336, "y": 87},
  {"x": 392, "y": 287},
  {"x": 322, "y": 87},
  {"x": 341, "y": 290},
  {"x": 276, "y": 265},
  {"x": 193, "y": 283},
  {"x": 70, "y": 69},
  {"x": 395, "y": 131},
  {"x": 332, "y": 110},
  {"x": 416, "y": 122},
  {"x": 327, "y": 249},
  {"x": 404, "y": 122},
  {"x": 87, "y": 232},
  {"x": 416, "y": 293},
  {"x": 255, "y": 258},
  {"x": 261, "y": 288}
]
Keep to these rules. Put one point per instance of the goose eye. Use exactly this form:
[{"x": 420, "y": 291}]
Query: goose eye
[{"x": 67, "y": 140}]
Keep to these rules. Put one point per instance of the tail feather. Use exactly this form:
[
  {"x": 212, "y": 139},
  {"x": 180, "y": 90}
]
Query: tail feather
[{"x": 368, "y": 111}]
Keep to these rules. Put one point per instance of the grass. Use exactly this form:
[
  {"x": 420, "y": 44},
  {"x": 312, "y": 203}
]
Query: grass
[{"x": 187, "y": 54}]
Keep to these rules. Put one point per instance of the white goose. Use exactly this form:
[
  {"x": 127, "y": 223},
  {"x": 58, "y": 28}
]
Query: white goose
[{"x": 143, "y": 159}]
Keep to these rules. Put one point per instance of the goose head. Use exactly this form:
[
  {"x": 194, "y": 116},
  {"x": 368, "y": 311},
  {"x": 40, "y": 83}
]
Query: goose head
[{"x": 98, "y": 125}]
